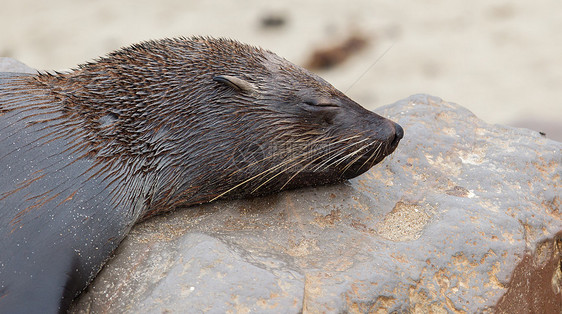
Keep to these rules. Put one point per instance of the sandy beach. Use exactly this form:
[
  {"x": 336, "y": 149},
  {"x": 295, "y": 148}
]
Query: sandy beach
[{"x": 500, "y": 59}]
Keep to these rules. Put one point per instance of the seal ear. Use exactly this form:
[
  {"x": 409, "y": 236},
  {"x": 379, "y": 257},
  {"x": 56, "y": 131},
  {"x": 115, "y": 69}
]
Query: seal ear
[{"x": 236, "y": 83}]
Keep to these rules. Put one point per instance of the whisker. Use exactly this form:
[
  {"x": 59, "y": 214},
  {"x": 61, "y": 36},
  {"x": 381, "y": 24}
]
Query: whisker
[
  {"x": 278, "y": 153},
  {"x": 375, "y": 153},
  {"x": 328, "y": 153},
  {"x": 295, "y": 161},
  {"x": 304, "y": 167},
  {"x": 328, "y": 163},
  {"x": 260, "y": 174},
  {"x": 351, "y": 163},
  {"x": 321, "y": 165},
  {"x": 296, "y": 164}
]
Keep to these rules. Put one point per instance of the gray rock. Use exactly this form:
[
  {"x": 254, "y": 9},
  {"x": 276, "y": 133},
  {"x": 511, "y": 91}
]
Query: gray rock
[
  {"x": 13, "y": 65},
  {"x": 464, "y": 216}
]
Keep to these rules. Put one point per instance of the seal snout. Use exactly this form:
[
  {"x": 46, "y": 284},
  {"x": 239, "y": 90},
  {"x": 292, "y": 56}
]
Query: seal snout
[
  {"x": 391, "y": 133},
  {"x": 398, "y": 134}
]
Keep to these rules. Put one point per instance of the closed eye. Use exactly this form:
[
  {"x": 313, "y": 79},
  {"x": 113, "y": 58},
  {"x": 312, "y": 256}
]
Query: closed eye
[{"x": 323, "y": 105}]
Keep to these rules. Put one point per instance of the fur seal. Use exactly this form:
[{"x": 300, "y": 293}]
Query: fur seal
[{"x": 149, "y": 128}]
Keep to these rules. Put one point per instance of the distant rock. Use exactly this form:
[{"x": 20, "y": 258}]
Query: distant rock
[
  {"x": 463, "y": 217},
  {"x": 549, "y": 128},
  {"x": 13, "y": 65}
]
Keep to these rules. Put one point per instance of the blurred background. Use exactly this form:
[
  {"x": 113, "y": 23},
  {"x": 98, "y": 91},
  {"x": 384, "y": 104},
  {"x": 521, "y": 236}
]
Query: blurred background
[{"x": 500, "y": 59}]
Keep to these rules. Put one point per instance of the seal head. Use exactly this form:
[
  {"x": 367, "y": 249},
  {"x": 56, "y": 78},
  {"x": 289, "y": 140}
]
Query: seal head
[{"x": 150, "y": 128}]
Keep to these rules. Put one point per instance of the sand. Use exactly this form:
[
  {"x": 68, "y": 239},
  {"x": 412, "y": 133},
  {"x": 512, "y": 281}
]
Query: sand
[{"x": 501, "y": 59}]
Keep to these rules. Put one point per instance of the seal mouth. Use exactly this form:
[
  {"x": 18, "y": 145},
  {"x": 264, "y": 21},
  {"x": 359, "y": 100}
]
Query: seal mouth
[{"x": 363, "y": 155}]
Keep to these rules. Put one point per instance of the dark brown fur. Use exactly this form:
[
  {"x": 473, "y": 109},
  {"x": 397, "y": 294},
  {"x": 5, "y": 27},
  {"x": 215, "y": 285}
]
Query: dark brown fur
[{"x": 159, "y": 125}]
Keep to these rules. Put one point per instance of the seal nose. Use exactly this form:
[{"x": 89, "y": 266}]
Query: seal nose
[
  {"x": 398, "y": 134},
  {"x": 399, "y": 131}
]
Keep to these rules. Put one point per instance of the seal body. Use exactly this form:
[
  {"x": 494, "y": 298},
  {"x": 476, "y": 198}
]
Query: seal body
[{"x": 149, "y": 128}]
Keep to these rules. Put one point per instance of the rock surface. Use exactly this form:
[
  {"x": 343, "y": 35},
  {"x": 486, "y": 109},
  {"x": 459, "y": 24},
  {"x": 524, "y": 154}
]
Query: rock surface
[
  {"x": 463, "y": 217},
  {"x": 13, "y": 65}
]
